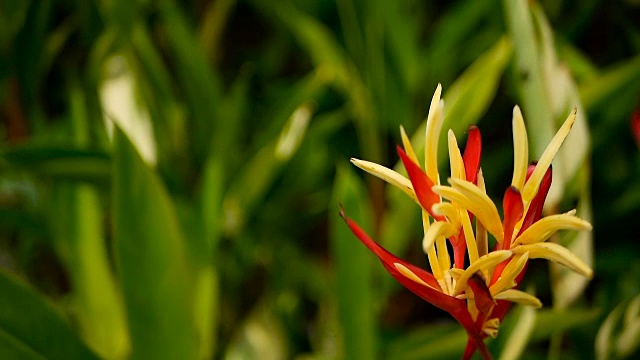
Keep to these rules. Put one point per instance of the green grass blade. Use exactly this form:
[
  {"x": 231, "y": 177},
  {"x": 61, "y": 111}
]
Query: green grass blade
[
  {"x": 353, "y": 264},
  {"x": 151, "y": 260},
  {"x": 31, "y": 328}
]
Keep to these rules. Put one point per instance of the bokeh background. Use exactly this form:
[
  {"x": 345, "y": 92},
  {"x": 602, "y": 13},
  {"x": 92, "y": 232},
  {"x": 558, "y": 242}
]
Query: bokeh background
[{"x": 171, "y": 172}]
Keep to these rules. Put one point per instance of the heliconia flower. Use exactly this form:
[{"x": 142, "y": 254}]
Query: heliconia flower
[{"x": 478, "y": 295}]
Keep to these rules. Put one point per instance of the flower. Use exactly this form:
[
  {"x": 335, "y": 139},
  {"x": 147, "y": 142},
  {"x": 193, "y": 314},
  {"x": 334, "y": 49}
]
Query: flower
[{"x": 479, "y": 295}]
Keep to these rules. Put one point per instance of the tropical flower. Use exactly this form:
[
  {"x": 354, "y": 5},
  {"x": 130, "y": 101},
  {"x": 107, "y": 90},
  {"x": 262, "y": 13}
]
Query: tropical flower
[{"x": 478, "y": 295}]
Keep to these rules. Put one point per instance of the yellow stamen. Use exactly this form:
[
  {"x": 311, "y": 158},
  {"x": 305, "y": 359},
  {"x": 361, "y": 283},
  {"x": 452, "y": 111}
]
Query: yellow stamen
[
  {"x": 469, "y": 196},
  {"x": 507, "y": 279},
  {"x": 434, "y": 125},
  {"x": 431, "y": 254},
  {"x": 519, "y": 297},
  {"x": 531, "y": 187},
  {"x": 486, "y": 262},
  {"x": 469, "y": 237},
  {"x": 450, "y": 211},
  {"x": 555, "y": 253},
  {"x": 406, "y": 143},
  {"x": 482, "y": 238},
  {"x": 387, "y": 175},
  {"x": 455, "y": 157},
  {"x": 520, "y": 149},
  {"x": 437, "y": 230}
]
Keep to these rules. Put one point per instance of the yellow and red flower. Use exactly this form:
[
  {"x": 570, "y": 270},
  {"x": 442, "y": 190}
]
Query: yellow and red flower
[{"x": 479, "y": 295}]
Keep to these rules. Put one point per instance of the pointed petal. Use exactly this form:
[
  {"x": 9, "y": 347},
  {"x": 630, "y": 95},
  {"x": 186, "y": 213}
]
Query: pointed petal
[
  {"x": 513, "y": 211},
  {"x": 449, "y": 211},
  {"x": 434, "y": 126},
  {"x": 387, "y": 175},
  {"x": 555, "y": 253},
  {"x": 544, "y": 228},
  {"x": 470, "y": 197},
  {"x": 520, "y": 149},
  {"x": 519, "y": 297},
  {"x": 486, "y": 262},
  {"x": 482, "y": 237},
  {"x": 406, "y": 143},
  {"x": 472, "y": 153},
  {"x": 531, "y": 186},
  {"x": 422, "y": 185},
  {"x": 455, "y": 157}
]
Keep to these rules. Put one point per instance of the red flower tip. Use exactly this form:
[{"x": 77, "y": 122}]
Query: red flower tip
[
  {"x": 513, "y": 211},
  {"x": 472, "y": 153},
  {"x": 421, "y": 184}
]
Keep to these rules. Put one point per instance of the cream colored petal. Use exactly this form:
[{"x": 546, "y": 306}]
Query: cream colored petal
[
  {"x": 469, "y": 196},
  {"x": 542, "y": 229},
  {"x": 555, "y": 253},
  {"x": 488, "y": 261},
  {"x": 406, "y": 144},
  {"x": 507, "y": 279},
  {"x": 531, "y": 186},
  {"x": 434, "y": 126},
  {"x": 520, "y": 149},
  {"x": 387, "y": 175},
  {"x": 455, "y": 157},
  {"x": 450, "y": 211},
  {"x": 436, "y": 230},
  {"x": 519, "y": 297}
]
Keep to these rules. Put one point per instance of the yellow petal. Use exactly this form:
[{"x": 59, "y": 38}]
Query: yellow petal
[
  {"x": 519, "y": 297},
  {"x": 450, "y": 211},
  {"x": 488, "y": 261},
  {"x": 434, "y": 126},
  {"x": 531, "y": 187},
  {"x": 555, "y": 253},
  {"x": 410, "y": 275},
  {"x": 491, "y": 326},
  {"x": 542, "y": 229},
  {"x": 507, "y": 279},
  {"x": 469, "y": 196},
  {"x": 387, "y": 175},
  {"x": 520, "y": 149},
  {"x": 436, "y": 230},
  {"x": 406, "y": 143},
  {"x": 455, "y": 157}
]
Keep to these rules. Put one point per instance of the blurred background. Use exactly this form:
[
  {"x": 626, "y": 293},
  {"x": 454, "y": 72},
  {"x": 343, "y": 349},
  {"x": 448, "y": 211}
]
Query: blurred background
[{"x": 171, "y": 173}]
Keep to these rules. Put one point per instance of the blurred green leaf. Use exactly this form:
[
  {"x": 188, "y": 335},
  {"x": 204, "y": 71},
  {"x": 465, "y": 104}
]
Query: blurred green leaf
[
  {"x": 441, "y": 341},
  {"x": 60, "y": 162},
  {"x": 151, "y": 260},
  {"x": 31, "y": 328},
  {"x": 353, "y": 268},
  {"x": 619, "y": 335}
]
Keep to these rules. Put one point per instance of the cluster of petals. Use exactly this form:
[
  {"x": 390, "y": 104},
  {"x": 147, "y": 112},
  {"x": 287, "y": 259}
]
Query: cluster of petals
[{"x": 477, "y": 286}]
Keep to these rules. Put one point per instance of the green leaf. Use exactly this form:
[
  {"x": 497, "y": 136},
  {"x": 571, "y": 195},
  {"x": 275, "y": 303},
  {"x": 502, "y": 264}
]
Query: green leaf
[
  {"x": 151, "y": 260},
  {"x": 353, "y": 264},
  {"x": 31, "y": 328},
  {"x": 60, "y": 162},
  {"x": 442, "y": 341}
]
